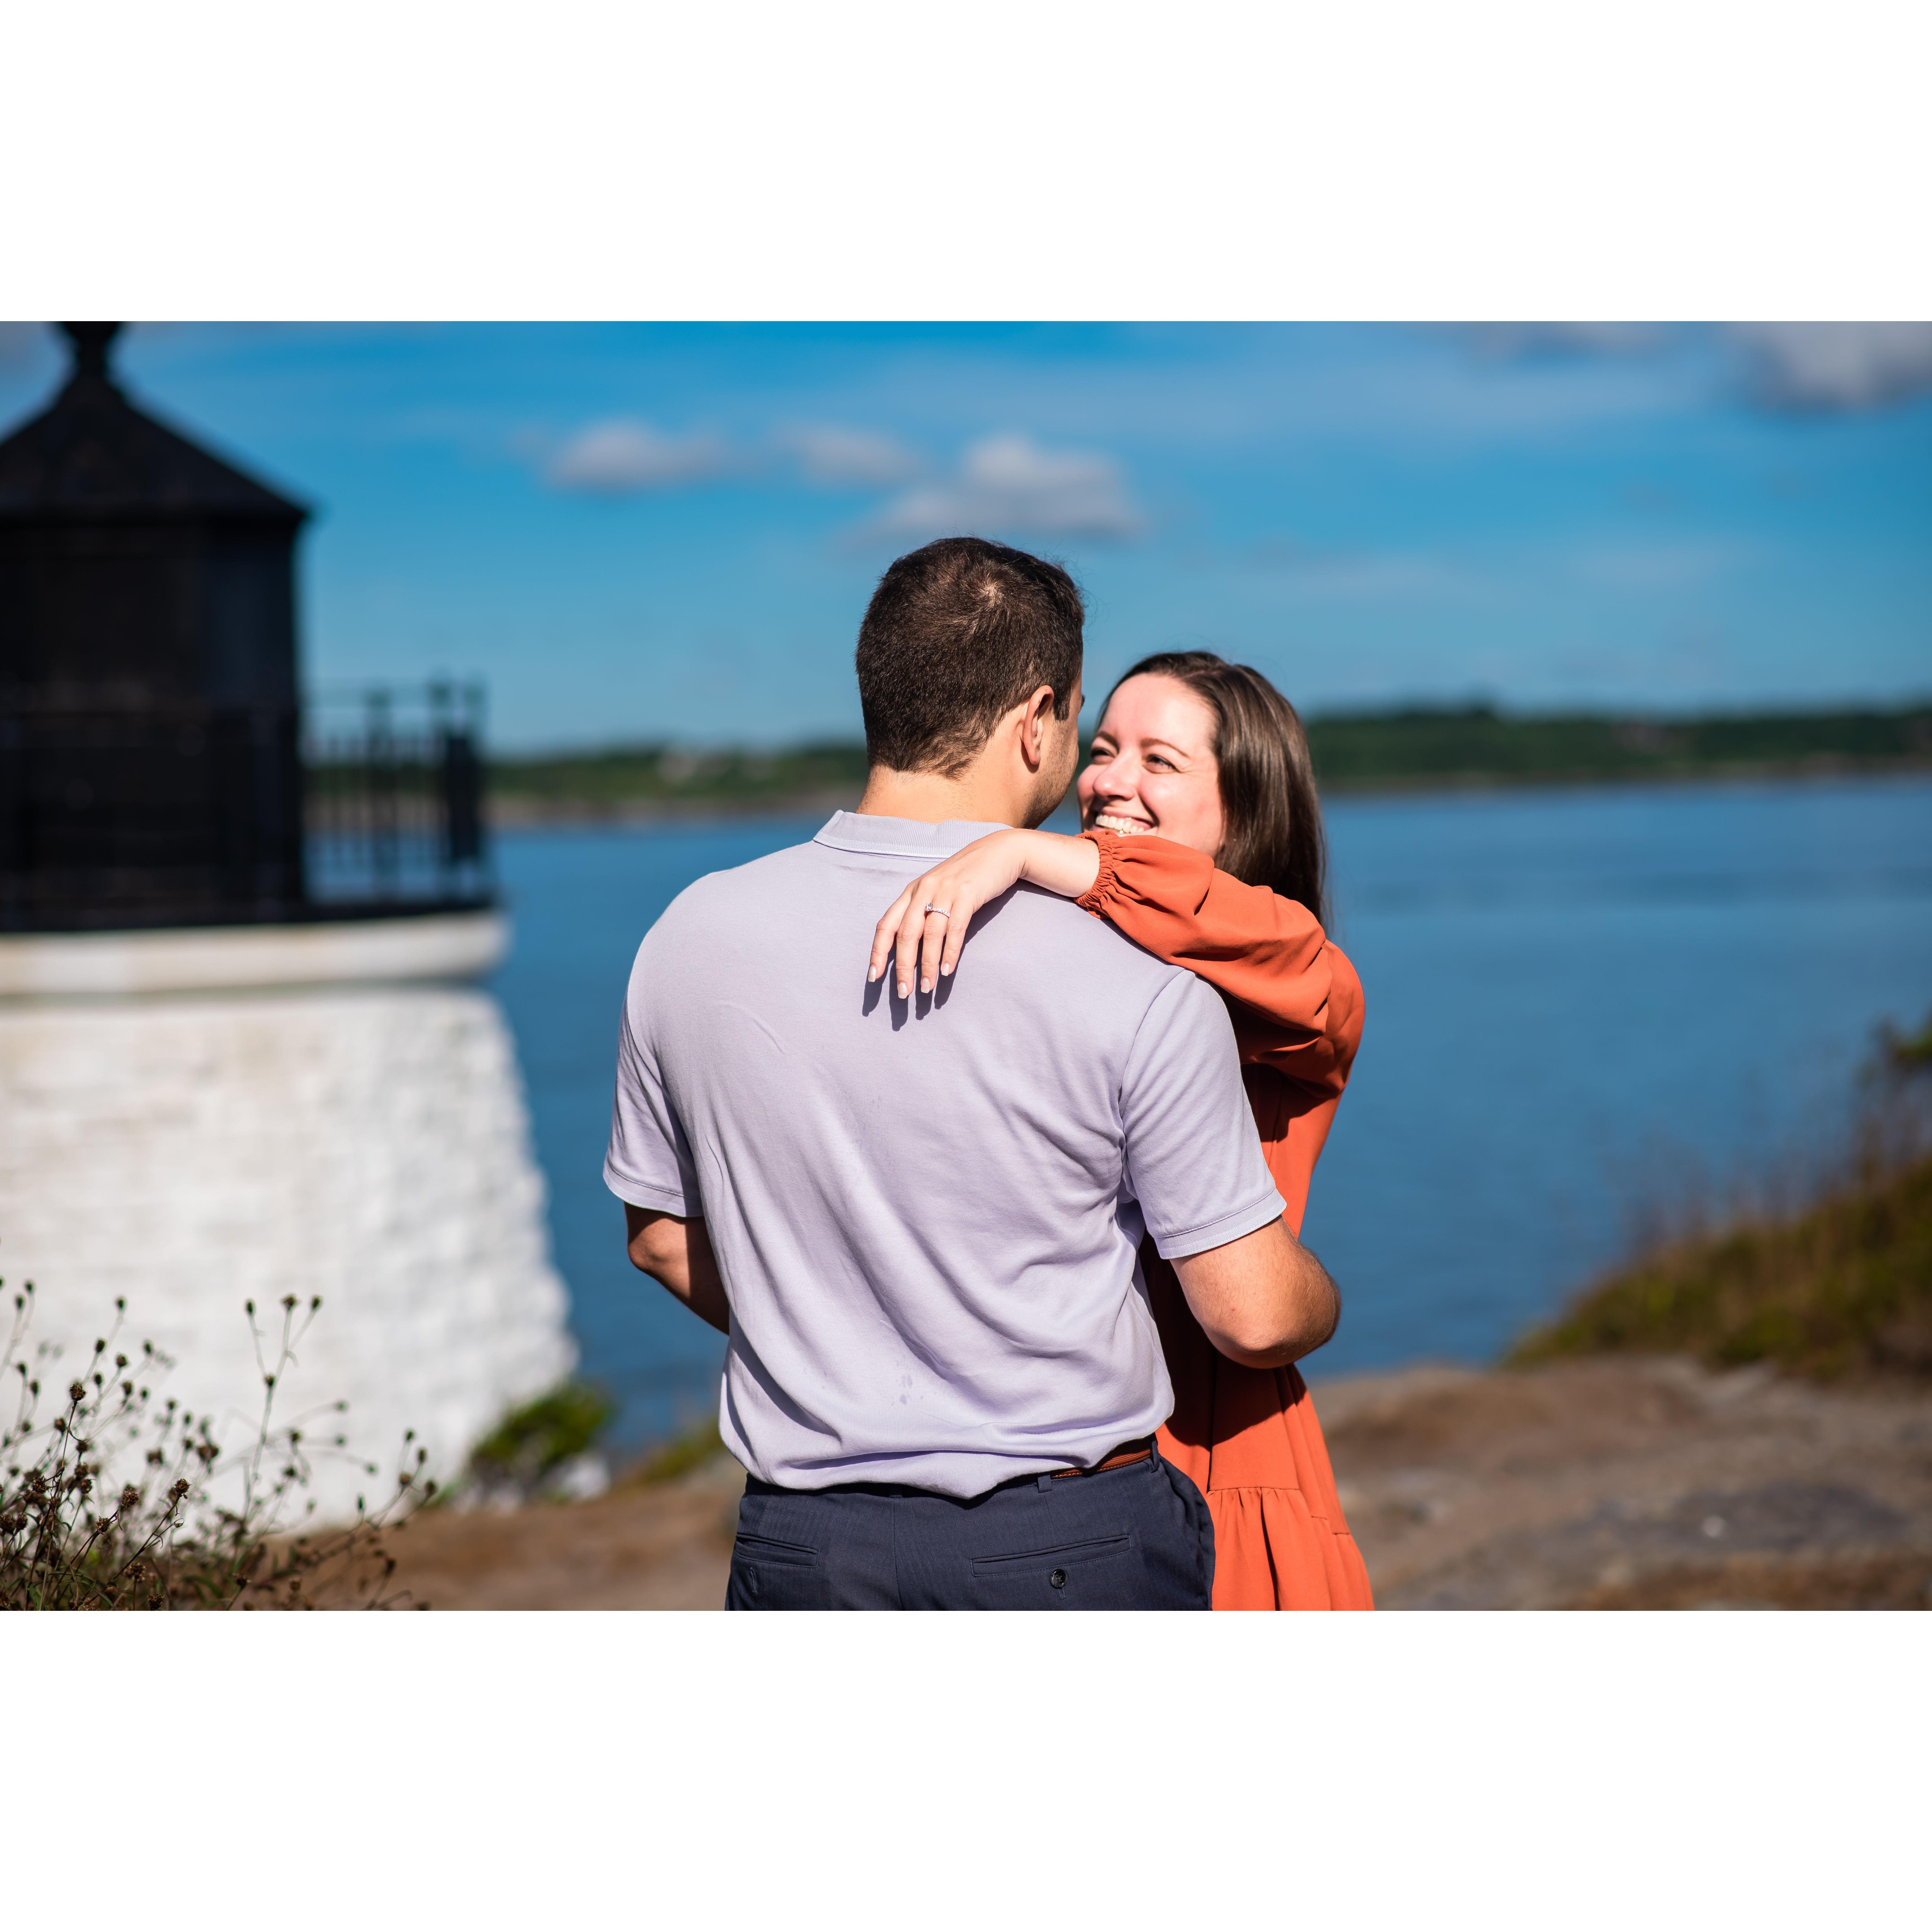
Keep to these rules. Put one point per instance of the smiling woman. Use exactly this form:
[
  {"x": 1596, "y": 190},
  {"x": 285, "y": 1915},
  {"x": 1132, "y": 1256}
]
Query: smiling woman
[
  {"x": 1210, "y": 755},
  {"x": 1153, "y": 767}
]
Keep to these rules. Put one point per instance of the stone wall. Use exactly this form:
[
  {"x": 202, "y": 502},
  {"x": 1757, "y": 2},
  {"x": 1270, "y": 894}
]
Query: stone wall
[{"x": 368, "y": 1144}]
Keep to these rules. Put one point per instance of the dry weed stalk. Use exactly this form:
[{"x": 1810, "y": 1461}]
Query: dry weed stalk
[{"x": 165, "y": 1543}]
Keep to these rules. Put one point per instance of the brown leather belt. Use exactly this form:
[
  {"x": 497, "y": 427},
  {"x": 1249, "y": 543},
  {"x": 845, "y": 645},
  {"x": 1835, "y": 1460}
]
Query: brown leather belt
[{"x": 1137, "y": 1451}]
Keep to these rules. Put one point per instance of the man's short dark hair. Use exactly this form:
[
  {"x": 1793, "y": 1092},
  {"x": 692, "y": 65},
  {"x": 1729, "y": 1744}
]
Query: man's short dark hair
[{"x": 957, "y": 635}]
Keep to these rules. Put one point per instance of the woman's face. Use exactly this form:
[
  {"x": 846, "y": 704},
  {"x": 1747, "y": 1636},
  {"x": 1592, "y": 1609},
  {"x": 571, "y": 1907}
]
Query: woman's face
[{"x": 1152, "y": 767}]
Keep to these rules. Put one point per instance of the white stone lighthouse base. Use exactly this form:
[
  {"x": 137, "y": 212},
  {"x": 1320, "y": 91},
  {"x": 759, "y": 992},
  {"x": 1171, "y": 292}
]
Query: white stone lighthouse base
[{"x": 364, "y": 1140}]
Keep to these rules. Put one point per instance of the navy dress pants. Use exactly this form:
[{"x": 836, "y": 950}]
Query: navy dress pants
[{"x": 1139, "y": 1537}]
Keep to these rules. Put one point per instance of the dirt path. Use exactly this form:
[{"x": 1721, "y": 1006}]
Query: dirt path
[
  {"x": 1607, "y": 1485},
  {"x": 665, "y": 1546}
]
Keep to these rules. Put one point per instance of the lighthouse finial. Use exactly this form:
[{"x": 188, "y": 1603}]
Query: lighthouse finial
[{"x": 91, "y": 341}]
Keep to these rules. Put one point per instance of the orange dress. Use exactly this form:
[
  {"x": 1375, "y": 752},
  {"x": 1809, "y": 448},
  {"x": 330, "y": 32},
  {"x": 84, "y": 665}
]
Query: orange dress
[{"x": 1248, "y": 1438}]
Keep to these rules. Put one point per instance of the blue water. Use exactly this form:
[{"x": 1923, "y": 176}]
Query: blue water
[{"x": 1582, "y": 1006}]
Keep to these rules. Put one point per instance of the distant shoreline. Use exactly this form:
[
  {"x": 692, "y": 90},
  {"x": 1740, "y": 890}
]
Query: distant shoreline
[
  {"x": 520, "y": 812},
  {"x": 1412, "y": 751},
  {"x": 523, "y": 811}
]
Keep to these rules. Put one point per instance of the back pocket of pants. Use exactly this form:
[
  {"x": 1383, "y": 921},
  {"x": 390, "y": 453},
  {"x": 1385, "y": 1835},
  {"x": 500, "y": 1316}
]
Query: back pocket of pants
[
  {"x": 768, "y": 1549},
  {"x": 1050, "y": 1562},
  {"x": 769, "y": 1575}
]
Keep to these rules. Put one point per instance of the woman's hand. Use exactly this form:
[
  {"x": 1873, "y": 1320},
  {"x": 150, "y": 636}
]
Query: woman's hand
[{"x": 931, "y": 915}]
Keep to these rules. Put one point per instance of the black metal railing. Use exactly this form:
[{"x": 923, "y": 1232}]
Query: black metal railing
[
  {"x": 140, "y": 814},
  {"x": 394, "y": 796}
]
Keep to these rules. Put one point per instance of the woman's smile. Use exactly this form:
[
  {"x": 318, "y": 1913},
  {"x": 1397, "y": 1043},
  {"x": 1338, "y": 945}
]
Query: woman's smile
[{"x": 1152, "y": 767}]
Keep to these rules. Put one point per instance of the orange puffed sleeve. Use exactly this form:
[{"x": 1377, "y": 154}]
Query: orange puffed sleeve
[{"x": 1294, "y": 999}]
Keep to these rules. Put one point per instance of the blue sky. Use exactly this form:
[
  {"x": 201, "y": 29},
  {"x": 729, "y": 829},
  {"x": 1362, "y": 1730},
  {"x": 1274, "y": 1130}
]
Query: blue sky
[{"x": 637, "y": 531}]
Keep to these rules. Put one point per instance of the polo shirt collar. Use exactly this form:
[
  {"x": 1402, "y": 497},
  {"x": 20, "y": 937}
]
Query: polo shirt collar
[{"x": 901, "y": 838}]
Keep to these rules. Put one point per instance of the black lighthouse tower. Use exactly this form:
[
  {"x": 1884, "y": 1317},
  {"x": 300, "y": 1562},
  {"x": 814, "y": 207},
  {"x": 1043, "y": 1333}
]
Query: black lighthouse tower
[{"x": 150, "y": 730}]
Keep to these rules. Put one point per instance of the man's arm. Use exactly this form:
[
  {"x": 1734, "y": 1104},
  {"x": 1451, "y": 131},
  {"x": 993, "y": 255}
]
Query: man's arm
[
  {"x": 676, "y": 1253},
  {"x": 1263, "y": 1300}
]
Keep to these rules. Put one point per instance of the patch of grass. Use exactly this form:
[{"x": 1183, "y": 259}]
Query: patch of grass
[
  {"x": 1903, "y": 1054},
  {"x": 1843, "y": 1286},
  {"x": 533, "y": 1442},
  {"x": 1837, "y": 1284},
  {"x": 679, "y": 1456}
]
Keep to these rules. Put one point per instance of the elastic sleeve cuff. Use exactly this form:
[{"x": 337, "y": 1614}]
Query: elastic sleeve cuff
[
  {"x": 1094, "y": 898},
  {"x": 1195, "y": 1240}
]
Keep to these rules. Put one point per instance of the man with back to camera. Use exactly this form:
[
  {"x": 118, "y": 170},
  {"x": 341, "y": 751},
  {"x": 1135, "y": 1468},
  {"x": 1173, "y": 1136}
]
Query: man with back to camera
[{"x": 918, "y": 1220}]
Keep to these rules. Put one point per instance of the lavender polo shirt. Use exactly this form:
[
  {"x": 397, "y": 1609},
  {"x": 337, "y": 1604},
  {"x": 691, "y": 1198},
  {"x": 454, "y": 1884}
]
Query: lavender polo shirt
[{"x": 926, "y": 1213}]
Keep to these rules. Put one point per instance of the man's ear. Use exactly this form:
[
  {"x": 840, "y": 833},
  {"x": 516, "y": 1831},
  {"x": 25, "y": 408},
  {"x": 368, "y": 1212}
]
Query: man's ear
[{"x": 1034, "y": 726}]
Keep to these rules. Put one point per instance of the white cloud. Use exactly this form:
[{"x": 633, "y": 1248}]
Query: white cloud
[
  {"x": 1826, "y": 366},
  {"x": 622, "y": 457},
  {"x": 1837, "y": 365},
  {"x": 850, "y": 459},
  {"x": 1010, "y": 484}
]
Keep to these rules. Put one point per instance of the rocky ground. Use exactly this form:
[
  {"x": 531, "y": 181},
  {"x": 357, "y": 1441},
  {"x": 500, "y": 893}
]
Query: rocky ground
[
  {"x": 1608, "y": 1484},
  {"x": 1616, "y": 1484}
]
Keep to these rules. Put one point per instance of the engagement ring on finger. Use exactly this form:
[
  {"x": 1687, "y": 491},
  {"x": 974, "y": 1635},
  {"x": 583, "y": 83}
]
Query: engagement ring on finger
[{"x": 940, "y": 910}]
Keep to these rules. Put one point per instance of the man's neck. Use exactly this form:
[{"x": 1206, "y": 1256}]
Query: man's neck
[{"x": 931, "y": 799}]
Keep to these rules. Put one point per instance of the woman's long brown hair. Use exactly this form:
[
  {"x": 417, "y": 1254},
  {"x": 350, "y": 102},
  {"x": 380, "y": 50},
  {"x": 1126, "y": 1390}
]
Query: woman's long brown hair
[{"x": 1271, "y": 814}]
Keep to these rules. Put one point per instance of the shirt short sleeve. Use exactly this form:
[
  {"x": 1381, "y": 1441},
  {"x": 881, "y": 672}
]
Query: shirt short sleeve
[
  {"x": 1193, "y": 1157},
  {"x": 648, "y": 1161}
]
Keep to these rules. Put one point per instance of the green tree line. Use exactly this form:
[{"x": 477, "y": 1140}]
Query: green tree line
[{"x": 1415, "y": 746}]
